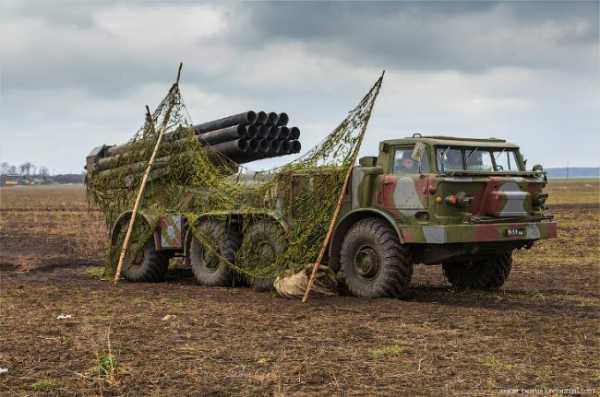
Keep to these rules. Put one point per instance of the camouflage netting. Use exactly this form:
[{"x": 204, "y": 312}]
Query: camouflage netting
[{"x": 190, "y": 180}]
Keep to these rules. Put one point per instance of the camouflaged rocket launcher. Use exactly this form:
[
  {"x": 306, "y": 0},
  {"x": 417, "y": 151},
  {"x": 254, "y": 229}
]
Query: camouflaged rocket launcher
[{"x": 466, "y": 204}]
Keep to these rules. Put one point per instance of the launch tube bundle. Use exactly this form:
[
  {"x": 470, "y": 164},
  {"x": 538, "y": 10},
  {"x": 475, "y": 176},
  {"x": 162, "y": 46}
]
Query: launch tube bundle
[{"x": 241, "y": 138}]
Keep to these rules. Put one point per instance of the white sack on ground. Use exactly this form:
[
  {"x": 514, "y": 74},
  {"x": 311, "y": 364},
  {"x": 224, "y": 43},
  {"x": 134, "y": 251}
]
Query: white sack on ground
[{"x": 293, "y": 286}]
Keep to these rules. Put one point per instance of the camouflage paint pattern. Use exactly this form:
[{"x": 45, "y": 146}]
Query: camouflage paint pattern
[
  {"x": 170, "y": 227},
  {"x": 493, "y": 206}
]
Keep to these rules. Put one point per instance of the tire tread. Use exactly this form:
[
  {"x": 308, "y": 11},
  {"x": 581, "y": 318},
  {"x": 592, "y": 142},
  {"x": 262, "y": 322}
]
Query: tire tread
[{"x": 397, "y": 268}]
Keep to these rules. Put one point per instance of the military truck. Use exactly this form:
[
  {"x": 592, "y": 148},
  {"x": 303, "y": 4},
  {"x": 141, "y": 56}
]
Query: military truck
[{"x": 465, "y": 204}]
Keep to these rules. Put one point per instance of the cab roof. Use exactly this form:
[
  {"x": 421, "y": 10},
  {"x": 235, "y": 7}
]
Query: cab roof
[{"x": 452, "y": 141}]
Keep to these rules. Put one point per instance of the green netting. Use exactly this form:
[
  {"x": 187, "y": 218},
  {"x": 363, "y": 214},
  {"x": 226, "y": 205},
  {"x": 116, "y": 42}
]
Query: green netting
[{"x": 292, "y": 204}]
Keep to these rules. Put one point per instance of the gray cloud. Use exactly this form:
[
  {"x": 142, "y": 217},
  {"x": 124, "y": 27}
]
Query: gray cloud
[{"x": 438, "y": 36}]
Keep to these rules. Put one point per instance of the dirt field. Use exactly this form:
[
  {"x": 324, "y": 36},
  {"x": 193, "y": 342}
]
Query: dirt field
[{"x": 540, "y": 332}]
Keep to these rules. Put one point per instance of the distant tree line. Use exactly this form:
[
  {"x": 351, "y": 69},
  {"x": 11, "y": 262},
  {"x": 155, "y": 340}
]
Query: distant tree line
[
  {"x": 25, "y": 169},
  {"x": 28, "y": 173}
]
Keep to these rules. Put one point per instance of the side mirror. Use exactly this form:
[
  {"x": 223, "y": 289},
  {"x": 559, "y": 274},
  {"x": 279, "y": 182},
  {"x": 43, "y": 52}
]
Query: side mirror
[{"x": 538, "y": 168}]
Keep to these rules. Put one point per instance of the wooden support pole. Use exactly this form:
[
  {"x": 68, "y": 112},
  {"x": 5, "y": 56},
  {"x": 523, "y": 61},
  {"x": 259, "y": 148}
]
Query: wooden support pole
[
  {"x": 334, "y": 218},
  {"x": 338, "y": 207},
  {"x": 140, "y": 194}
]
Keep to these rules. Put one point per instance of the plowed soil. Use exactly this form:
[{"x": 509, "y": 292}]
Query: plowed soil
[{"x": 539, "y": 333}]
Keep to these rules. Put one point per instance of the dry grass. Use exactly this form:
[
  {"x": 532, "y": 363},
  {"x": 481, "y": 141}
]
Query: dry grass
[
  {"x": 48, "y": 225},
  {"x": 44, "y": 197},
  {"x": 573, "y": 191}
]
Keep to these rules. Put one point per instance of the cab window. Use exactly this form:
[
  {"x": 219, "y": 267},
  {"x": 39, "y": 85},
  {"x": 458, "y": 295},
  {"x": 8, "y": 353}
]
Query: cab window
[
  {"x": 404, "y": 164},
  {"x": 478, "y": 160},
  {"x": 506, "y": 160},
  {"x": 450, "y": 159}
]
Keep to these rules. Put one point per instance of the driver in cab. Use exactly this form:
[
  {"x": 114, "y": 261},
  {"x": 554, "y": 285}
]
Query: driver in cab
[{"x": 404, "y": 163}]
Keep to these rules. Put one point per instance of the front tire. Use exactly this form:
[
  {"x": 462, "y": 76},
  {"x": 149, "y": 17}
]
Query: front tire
[
  {"x": 210, "y": 259},
  {"x": 373, "y": 262},
  {"x": 488, "y": 274}
]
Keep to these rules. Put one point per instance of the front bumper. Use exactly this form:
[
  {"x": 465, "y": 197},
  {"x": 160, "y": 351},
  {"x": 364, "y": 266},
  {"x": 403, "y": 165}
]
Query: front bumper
[{"x": 469, "y": 233}]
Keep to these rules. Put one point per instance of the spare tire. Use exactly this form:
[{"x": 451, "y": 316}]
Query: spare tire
[
  {"x": 263, "y": 242},
  {"x": 211, "y": 259}
]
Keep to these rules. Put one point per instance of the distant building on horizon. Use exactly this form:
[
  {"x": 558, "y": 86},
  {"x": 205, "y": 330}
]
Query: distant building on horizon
[{"x": 11, "y": 180}]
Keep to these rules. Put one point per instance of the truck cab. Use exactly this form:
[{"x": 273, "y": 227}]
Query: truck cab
[{"x": 464, "y": 203}]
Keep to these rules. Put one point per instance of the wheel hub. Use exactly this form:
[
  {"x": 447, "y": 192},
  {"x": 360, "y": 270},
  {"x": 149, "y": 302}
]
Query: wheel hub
[
  {"x": 266, "y": 252},
  {"x": 211, "y": 260},
  {"x": 366, "y": 262}
]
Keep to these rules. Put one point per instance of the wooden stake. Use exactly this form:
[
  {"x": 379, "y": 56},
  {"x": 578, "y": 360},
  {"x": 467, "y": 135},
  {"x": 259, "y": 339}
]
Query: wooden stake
[
  {"x": 336, "y": 213},
  {"x": 140, "y": 194},
  {"x": 338, "y": 206}
]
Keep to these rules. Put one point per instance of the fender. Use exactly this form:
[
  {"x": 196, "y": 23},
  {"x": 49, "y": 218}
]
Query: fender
[
  {"x": 346, "y": 222},
  {"x": 123, "y": 219}
]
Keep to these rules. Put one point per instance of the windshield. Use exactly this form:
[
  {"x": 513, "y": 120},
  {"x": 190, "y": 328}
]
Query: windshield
[
  {"x": 506, "y": 160},
  {"x": 405, "y": 164},
  {"x": 477, "y": 159}
]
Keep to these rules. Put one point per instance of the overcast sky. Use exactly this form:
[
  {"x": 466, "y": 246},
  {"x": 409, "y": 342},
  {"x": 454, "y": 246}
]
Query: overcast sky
[{"x": 75, "y": 75}]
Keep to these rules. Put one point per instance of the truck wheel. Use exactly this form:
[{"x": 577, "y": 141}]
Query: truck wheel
[
  {"x": 142, "y": 262},
  {"x": 209, "y": 265},
  {"x": 263, "y": 242},
  {"x": 373, "y": 262},
  {"x": 487, "y": 274}
]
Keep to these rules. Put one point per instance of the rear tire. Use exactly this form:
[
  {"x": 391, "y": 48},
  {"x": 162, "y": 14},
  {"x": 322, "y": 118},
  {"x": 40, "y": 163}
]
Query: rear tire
[
  {"x": 142, "y": 262},
  {"x": 488, "y": 274},
  {"x": 263, "y": 242},
  {"x": 373, "y": 262},
  {"x": 153, "y": 267},
  {"x": 210, "y": 267}
]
